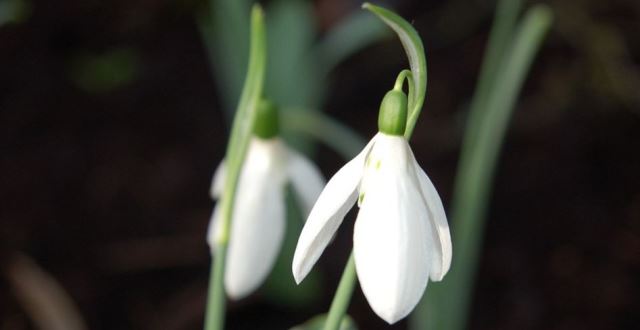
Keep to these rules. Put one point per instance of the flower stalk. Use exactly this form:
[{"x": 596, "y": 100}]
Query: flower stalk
[
  {"x": 236, "y": 150},
  {"x": 343, "y": 295}
]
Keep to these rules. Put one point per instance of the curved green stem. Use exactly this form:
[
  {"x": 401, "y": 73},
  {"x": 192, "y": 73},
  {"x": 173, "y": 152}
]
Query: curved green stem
[{"x": 404, "y": 74}]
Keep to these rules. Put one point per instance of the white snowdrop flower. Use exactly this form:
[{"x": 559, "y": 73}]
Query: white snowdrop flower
[
  {"x": 401, "y": 236},
  {"x": 258, "y": 220}
]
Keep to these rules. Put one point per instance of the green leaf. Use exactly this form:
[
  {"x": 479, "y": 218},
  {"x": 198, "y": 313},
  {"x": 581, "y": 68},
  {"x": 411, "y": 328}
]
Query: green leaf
[
  {"x": 415, "y": 52},
  {"x": 226, "y": 35},
  {"x": 293, "y": 78},
  {"x": 448, "y": 302},
  {"x": 500, "y": 38}
]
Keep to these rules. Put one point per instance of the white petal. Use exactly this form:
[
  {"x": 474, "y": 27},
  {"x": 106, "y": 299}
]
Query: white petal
[
  {"x": 257, "y": 232},
  {"x": 327, "y": 214},
  {"x": 392, "y": 233},
  {"x": 441, "y": 259},
  {"x": 217, "y": 183},
  {"x": 214, "y": 228},
  {"x": 306, "y": 179},
  {"x": 258, "y": 224}
]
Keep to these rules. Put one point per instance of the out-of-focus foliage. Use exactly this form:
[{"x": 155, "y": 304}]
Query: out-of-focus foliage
[
  {"x": 14, "y": 11},
  {"x": 317, "y": 323},
  {"x": 105, "y": 72}
]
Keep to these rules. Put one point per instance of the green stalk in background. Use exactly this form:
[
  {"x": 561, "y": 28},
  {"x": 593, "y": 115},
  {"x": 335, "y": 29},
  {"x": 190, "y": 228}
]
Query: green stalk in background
[
  {"x": 500, "y": 38},
  {"x": 236, "y": 151},
  {"x": 447, "y": 305}
]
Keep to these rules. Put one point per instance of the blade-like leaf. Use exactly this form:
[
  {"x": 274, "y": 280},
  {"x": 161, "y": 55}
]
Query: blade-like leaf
[
  {"x": 415, "y": 52},
  {"x": 225, "y": 31},
  {"x": 292, "y": 79},
  {"x": 448, "y": 302}
]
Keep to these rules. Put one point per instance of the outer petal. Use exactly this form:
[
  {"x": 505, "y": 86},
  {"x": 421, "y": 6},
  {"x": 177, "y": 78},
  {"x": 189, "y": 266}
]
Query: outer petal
[
  {"x": 257, "y": 232},
  {"x": 217, "y": 183},
  {"x": 258, "y": 224},
  {"x": 306, "y": 178},
  {"x": 214, "y": 228},
  {"x": 441, "y": 259},
  {"x": 392, "y": 235},
  {"x": 327, "y": 214}
]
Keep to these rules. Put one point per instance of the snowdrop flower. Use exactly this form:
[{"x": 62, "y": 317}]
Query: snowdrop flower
[
  {"x": 401, "y": 236},
  {"x": 258, "y": 221}
]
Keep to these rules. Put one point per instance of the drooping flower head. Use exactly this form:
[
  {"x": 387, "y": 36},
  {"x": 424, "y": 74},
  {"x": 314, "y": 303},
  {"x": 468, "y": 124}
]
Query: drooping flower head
[
  {"x": 258, "y": 222},
  {"x": 401, "y": 236}
]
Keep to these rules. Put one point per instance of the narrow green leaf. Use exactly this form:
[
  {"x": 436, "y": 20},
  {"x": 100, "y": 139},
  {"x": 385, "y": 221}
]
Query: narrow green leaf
[
  {"x": 225, "y": 32},
  {"x": 415, "y": 52},
  {"x": 500, "y": 38},
  {"x": 448, "y": 302},
  {"x": 293, "y": 78}
]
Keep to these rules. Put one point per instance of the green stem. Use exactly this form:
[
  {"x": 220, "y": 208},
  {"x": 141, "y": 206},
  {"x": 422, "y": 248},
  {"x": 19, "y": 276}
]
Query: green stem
[
  {"x": 214, "y": 319},
  {"x": 404, "y": 74},
  {"x": 343, "y": 295},
  {"x": 236, "y": 150}
]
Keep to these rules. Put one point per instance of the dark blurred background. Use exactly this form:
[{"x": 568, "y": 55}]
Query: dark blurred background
[{"x": 111, "y": 127}]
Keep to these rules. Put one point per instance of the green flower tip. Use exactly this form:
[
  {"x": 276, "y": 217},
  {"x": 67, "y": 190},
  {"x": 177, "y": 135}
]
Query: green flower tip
[
  {"x": 392, "y": 118},
  {"x": 267, "y": 123}
]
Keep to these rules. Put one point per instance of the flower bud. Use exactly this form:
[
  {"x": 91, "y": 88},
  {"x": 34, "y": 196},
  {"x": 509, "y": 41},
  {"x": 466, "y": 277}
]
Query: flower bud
[
  {"x": 392, "y": 118},
  {"x": 267, "y": 123}
]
